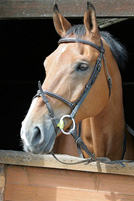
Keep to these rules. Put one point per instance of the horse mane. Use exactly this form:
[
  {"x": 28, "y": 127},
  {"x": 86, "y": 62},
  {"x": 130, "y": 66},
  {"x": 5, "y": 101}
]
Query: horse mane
[{"x": 118, "y": 50}]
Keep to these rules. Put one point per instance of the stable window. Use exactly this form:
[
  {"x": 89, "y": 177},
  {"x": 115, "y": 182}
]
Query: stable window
[{"x": 24, "y": 46}]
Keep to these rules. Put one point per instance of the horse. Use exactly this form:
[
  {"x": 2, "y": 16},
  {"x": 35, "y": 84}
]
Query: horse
[{"x": 83, "y": 84}]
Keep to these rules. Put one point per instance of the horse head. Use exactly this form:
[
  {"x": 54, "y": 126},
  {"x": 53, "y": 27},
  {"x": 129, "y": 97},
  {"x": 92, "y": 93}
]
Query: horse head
[{"x": 68, "y": 71}]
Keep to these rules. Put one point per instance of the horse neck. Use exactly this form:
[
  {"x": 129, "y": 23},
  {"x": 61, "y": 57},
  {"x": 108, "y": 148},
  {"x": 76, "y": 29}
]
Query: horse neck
[{"x": 106, "y": 130}]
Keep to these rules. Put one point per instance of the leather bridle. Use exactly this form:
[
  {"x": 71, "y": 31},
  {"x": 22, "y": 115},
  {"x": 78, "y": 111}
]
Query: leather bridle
[{"x": 76, "y": 105}]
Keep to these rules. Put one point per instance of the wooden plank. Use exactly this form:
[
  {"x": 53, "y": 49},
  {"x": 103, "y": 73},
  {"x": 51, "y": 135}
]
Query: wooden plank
[
  {"x": 29, "y": 193},
  {"x": 27, "y": 159},
  {"x": 2, "y": 181},
  {"x": 70, "y": 8},
  {"x": 32, "y": 184}
]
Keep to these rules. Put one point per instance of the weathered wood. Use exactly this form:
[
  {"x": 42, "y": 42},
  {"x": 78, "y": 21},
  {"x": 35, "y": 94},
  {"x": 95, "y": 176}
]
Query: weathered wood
[
  {"x": 2, "y": 181},
  {"x": 70, "y": 8},
  {"x": 32, "y": 184},
  {"x": 104, "y": 22},
  {"x": 26, "y": 159}
]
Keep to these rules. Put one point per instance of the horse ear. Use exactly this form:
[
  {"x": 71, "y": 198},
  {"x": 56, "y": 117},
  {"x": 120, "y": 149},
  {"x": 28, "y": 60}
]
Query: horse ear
[
  {"x": 90, "y": 20},
  {"x": 60, "y": 23}
]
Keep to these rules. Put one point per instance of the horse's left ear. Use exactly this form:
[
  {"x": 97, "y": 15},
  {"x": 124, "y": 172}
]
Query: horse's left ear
[
  {"x": 90, "y": 20},
  {"x": 60, "y": 23}
]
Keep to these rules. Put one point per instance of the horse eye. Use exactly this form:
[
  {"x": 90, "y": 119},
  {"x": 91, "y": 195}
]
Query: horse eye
[{"x": 82, "y": 67}]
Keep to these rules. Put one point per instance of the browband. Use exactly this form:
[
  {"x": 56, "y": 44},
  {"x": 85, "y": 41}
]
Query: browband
[{"x": 79, "y": 40}]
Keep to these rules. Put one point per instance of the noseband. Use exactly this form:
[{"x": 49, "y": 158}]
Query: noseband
[{"x": 75, "y": 105}]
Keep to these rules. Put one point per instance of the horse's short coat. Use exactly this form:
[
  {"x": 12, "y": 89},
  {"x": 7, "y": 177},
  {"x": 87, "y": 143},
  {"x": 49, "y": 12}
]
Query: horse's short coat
[{"x": 68, "y": 69}]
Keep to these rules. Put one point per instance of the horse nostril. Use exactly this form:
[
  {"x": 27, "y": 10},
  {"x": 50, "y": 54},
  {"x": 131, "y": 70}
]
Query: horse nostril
[{"x": 37, "y": 138}]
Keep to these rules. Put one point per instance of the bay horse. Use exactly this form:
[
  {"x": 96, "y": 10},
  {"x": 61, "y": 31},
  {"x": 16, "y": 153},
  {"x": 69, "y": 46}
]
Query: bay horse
[{"x": 85, "y": 64}]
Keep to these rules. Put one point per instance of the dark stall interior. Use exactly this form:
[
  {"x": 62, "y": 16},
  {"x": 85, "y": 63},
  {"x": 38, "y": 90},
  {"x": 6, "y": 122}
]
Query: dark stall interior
[{"x": 24, "y": 46}]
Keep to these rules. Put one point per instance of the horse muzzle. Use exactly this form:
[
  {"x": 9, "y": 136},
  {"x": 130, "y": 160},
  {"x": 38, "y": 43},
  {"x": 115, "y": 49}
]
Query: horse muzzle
[{"x": 39, "y": 139}]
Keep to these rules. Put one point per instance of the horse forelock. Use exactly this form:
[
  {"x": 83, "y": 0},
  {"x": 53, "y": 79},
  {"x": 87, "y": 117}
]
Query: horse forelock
[{"x": 76, "y": 30}]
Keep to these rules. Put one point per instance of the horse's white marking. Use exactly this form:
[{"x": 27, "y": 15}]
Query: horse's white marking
[
  {"x": 31, "y": 108},
  {"x": 23, "y": 133},
  {"x": 23, "y": 137},
  {"x": 61, "y": 52}
]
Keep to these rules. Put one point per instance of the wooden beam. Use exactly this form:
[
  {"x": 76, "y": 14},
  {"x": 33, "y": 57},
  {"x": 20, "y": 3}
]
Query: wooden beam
[
  {"x": 2, "y": 181},
  {"x": 30, "y": 183},
  {"x": 44, "y": 8},
  {"x": 47, "y": 161}
]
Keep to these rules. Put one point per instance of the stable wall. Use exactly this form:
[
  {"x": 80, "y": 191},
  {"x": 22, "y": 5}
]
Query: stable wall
[{"x": 27, "y": 177}]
